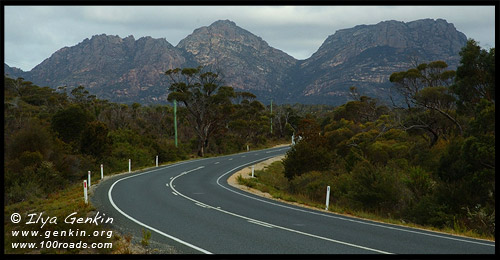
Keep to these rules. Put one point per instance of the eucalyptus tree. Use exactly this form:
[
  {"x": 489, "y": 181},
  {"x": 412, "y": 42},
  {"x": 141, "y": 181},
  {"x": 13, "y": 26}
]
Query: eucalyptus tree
[
  {"x": 428, "y": 98},
  {"x": 208, "y": 102}
]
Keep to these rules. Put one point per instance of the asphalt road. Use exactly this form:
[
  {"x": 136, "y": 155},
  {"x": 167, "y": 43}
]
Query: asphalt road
[{"x": 190, "y": 205}]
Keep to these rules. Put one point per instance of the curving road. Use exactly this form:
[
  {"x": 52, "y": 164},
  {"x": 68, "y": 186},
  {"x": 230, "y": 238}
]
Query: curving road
[{"x": 191, "y": 206}]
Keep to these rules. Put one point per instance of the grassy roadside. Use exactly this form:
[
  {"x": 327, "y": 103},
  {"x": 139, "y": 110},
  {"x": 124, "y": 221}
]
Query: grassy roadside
[
  {"x": 58, "y": 212},
  {"x": 272, "y": 180},
  {"x": 63, "y": 206}
]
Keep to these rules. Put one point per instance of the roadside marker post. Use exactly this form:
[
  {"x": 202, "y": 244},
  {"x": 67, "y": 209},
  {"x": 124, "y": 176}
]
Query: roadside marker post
[
  {"x": 129, "y": 165},
  {"x": 248, "y": 149},
  {"x": 253, "y": 170},
  {"x": 157, "y": 161},
  {"x": 102, "y": 172},
  {"x": 89, "y": 179},
  {"x": 85, "y": 191},
  {"x": 327, "y": 197}
]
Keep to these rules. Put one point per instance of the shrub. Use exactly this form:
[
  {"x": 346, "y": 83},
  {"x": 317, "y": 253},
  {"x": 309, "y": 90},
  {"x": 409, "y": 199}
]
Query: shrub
[
  {"x": 70, "y": 122},
  {"x": 312, "y": 184},
  {"x": 95, "y": 140},
  {"x": 305, "y": 157},
  {"x": 376, "y": 188}
]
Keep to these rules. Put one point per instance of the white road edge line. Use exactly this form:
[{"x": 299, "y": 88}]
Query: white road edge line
[
  {"x": 144, "y": 225},
  {"x": 341, "y": 218},
  {"x": 149, "y": 227},
  {"x": 272, "y": 225},
  {"x": 260, "y": 223}
]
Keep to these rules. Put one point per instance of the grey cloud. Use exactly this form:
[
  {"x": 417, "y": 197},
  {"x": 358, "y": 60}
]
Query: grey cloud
[{"x": 32, "y": 34}]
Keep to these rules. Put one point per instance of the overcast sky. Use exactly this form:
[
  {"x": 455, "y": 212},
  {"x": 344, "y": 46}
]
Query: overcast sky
[{"x": 34, "y": 33}]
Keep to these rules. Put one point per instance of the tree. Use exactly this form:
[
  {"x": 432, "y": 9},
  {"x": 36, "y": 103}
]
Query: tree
[
  {"x": 475, "y": 78},
  {"x": 310, "y": 154},
  {"x": 207, "y": 101},
  {"x": 249, "y": 122},
  {"x": 95, "y": 140},
  {"x": 425, "y": 90},
  {"x": 361, "y": 110},
  {"x": 81, "y": 95},
  {"x": 70, "y": 122}
]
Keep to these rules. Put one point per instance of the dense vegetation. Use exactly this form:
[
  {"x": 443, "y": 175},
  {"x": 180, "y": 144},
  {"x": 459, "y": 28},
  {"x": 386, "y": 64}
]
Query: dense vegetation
[
  {"x": 52, "y": 137},
  {"x": 429, "y": 159}
]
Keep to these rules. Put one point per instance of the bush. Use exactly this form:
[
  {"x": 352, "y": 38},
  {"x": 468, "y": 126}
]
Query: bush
[
  {"x": 33, "y": 137},
  {"x": 70, "y": 122},
  {"x": 95, "y": 140},
  {"x": 305, "y": 157},
  {"x": 376, "y": 188},
  {"x": 167, "y": 152},
  {"x": 429, "y": 211},
  {"x": 313, "y": 185}
]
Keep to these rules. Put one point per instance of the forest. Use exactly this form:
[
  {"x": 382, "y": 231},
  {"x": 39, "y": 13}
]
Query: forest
[
  {"x": 428, "y": 157},
  {"x": 53, "y": 137}
]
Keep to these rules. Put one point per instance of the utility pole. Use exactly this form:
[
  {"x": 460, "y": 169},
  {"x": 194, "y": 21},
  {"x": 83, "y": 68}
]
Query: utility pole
[
  {"x": 175, "y": 121},
  {"x": 271, "y": 116}
]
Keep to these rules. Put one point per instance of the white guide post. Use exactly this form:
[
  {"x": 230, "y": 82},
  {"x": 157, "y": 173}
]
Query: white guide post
[
  {"x": 157, "y": 161},
  {"x": 102, "y": 172},
  {"x": 85, "y": 191},
  {"x": 89, "y": 179},
  {"x": 129, "y": 165},
  {"x": 248, "y": 149},
  {"x": 253, "y": 170},
  {"x": 327, "y": 197}
]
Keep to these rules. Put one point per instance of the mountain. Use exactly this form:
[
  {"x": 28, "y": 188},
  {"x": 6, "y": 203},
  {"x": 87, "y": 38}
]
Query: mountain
[
  {"x": 122, "y": 70},
  {"x": 247, "y": 62},
  {"x": 365, "y": 56},
  {"x": 128, "y": 70},
  {"x": 13, "y": 72}
]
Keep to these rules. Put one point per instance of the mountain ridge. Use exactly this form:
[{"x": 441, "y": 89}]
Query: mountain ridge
[{"x": 129, "y": 70}]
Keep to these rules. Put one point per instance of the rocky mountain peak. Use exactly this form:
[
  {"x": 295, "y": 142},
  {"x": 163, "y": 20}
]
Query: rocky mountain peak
[
  {"x": 366, "y": 55},
  {"x": 234, "y": 50},
  {"x": 221, "y": 35},
  {"x": 126, "y": 66}
]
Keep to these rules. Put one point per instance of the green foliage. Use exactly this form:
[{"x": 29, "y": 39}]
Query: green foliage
[
  {"x": 55, "y": 136},
  {"x": 431, "y": 162},
  {"x": 167, "y": 152},
  {"x": 207, "y": 101},
  {"x": 429, "y": 211},
  {"x": 429, "y": 101},
  {"x": 95, "y": 140},
  {"x": 305, "y": 157},
  {"x": 274, "y": 176},
  {"x": 377, "y": 188},
  {"x": 312, "y": 184},
  {"x": 475, "y": 78},
  {"x": 33, "y": 137},
  {"x": 379, "y": 160},
  {"x": 69, "y": 123},
  {"x": 419, "y": 182},
  {"x": 146, "y": 236}
]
